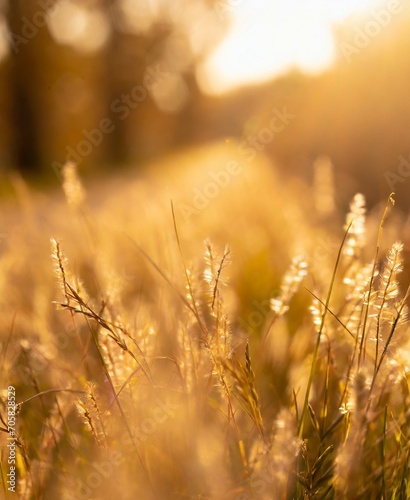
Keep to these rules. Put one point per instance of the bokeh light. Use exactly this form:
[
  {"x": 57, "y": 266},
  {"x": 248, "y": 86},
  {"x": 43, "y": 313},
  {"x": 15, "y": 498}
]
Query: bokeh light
[
  {"x": 4, "y": 40},
  {"x": 84, "y": 29}
]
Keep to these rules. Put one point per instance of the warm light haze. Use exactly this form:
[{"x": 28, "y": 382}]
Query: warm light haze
[
  {"x": 266, "y": 39},
  {"x": 204, "y": 249}
]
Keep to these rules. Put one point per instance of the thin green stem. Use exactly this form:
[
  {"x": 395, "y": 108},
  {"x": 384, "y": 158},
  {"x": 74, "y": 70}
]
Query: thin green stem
[{"x": 319, "y": 335}]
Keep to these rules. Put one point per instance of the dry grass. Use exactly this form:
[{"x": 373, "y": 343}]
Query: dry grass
[{"x": 149, "y": 364}]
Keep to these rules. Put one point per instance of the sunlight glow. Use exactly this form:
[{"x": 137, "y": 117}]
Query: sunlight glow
[
  {"x": 138, "y": 17},
  {"x": 84, "y": 29},
  {"x": 268, "y": 38},
  {"x": 4, "y": 41}
]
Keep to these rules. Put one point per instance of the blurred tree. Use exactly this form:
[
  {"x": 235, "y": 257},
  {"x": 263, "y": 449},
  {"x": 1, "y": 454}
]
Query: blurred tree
[
  {"x": 99, "y": 80},
  {"x": 151, "y": 62},
  {"x": 23, "y": 75},
  {"x": 6, "y": 136},
  {"x": 56, "y": 96}
]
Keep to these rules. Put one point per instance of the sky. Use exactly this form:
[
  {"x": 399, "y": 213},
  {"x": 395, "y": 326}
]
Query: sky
[{"x": 267, "y": 38}]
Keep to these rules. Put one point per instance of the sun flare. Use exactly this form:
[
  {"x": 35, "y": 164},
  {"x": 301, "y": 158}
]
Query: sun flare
[{"x": 266, "y": 39}]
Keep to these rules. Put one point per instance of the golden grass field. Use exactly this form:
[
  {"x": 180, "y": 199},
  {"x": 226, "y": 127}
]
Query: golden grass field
[{"x": 159, "y": 343}]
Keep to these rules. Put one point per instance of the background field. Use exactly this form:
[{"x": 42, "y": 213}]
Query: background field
[{"x": 211, "y": 376}]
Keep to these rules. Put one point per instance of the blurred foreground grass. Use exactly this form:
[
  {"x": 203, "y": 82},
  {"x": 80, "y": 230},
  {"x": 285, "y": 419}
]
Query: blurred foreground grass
[{"x": 185, "y": 351}]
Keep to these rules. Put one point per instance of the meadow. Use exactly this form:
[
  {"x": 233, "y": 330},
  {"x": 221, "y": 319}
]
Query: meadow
[{"x": 202, "y": 329}]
